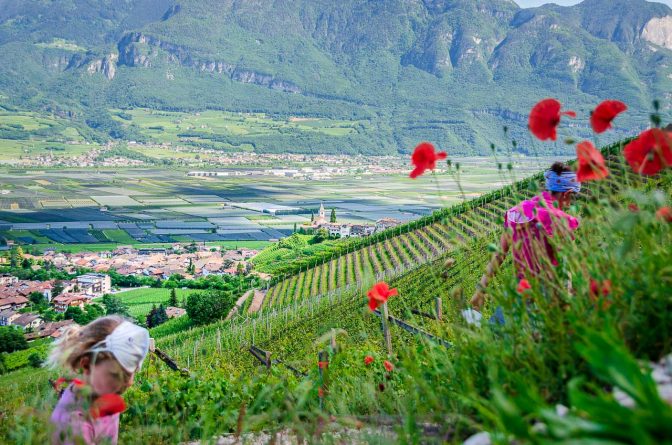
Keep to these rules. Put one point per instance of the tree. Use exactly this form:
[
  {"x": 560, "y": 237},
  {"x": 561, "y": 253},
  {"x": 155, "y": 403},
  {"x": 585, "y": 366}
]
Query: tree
[
  {"x": 58, "y": 289},
  {"x": 35, "y": 360},
  {"x": 191, "y": 269},
  {"x": 156, "y": 316},
  {"x": 312, "y": 217},
  {"x": 172, "y": 301},
  {"x": 37, "y": 298},
  {"x": 11, "y": 339},
  {"x": 294, "y": 228},
  {"x": 114, "y": 305},
  {"x": 240, "y": 269},
  {"x": 209, "y": 306},
  {"x": 321, "y": 235},
  {"x": 333, "y": 216}
]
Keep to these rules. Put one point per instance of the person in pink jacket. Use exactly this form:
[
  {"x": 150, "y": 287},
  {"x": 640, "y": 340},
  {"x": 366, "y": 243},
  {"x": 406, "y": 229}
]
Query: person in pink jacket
[
  {"x": 105, "y": 354},
  {"x": 530, "y": 225}
]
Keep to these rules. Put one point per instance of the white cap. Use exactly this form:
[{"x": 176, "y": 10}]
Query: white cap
[{"x": 128, "y": 343}]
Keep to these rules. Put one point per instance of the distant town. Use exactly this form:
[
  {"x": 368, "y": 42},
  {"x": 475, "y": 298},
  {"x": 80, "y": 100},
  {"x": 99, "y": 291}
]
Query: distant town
[{"x": 218, "y": 163}]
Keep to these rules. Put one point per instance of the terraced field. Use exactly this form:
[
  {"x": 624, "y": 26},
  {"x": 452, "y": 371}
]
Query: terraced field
[
  {"x": 408, "y": 250},
  {"x": 314, "y": 301}
]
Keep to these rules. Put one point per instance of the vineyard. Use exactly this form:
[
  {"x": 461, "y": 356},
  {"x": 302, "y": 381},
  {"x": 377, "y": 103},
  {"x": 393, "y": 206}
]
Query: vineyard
[{"x": 300, "y": 359}]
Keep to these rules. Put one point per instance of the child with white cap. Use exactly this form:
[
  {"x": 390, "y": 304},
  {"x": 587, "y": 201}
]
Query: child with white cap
[{"x": 105, "y": 354}]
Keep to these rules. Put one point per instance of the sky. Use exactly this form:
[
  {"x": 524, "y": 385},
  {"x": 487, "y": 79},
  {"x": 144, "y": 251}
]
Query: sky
[{"x": 529, "y": 3}]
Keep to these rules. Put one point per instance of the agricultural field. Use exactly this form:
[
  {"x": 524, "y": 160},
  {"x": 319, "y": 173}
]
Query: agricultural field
[
  {"x": 140, "y": 301},
  {"x": 32, "y": 134},
  {"x": 140, "y": 206},
  {"x": 212, "y": 128}
]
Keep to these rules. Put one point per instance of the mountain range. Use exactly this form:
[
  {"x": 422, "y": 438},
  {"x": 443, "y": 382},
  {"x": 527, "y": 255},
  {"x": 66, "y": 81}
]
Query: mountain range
[{"x": 454, "y": 72}]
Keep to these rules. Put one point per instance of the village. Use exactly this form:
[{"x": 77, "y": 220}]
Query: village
[
  {"x": 19, "y": 297},
  {"x": 295, "y": 166}
]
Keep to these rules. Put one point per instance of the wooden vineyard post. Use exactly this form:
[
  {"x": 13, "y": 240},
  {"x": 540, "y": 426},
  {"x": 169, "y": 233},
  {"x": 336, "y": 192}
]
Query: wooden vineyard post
[
  {"x": 386, "y": 330},
  {"x": 322, "y": 364},
  {"x": 333, "y": 341},
  {"x": 439, "y": 309},
  {"x": 268, "y": 360}
]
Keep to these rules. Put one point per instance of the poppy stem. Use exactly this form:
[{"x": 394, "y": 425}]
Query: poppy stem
[{"x": 386, "y": 330}]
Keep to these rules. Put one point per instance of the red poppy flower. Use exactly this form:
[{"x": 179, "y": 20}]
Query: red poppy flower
[
  {"x": 320, "y": 393},
  {"x": 545, "y": 118},
  {"x": 388, "y": 366},
  {"x": 322, "y": 365},
  {"x": 604, "y": 289},
  {"x": 591, "y": 163},
  {"x": 597, "y": 288},
  {"x": 605, "y": 113},
  {"x": 523, "y": 285},
  {"x": 368, "y": 360},
  {"x": 60, "y": 383},
  {"x": 650, "y": 152},
  {"x": 664, "y": 214},
  {"x": 78, "y": 383},
  {"x": 107, "y": 405},
  {"x": 424, "y": 158},
  {"x": 634, "y": 208},
  {"x": 379, "y": 294}
]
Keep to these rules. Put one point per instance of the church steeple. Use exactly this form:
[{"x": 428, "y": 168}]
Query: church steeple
[{"x": 322, "y": 213}]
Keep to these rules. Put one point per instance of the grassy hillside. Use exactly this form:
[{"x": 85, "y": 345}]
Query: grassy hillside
[{"x": 561, "y": 342}]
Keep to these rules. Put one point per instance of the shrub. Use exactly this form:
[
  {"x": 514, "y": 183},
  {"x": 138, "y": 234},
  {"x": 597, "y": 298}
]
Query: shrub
[
  {"x": 206, "y": 307},
  {"x": 11, "y": 339}
]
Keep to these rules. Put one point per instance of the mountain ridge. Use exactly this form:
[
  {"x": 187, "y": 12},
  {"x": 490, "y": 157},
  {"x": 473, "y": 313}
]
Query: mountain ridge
[{"x": 399, "y": 63}]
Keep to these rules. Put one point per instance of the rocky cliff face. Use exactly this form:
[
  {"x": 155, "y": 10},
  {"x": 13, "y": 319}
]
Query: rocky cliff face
[
  {"x": 659, "y": 31},
  {"x": 138, "y": 49}
]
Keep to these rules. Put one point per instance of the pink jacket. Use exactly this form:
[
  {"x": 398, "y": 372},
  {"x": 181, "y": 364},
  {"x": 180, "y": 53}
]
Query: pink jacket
[
  {"x": 533, "y": 222},
  {"x": 71, "y": 421}
]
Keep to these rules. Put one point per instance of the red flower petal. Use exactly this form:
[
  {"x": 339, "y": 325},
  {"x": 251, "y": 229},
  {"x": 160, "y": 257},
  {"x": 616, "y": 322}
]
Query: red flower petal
[
  {"x": 322, "y": 365},
  {"x": 424, "y": 158},
  {"x": 523, "y": 285},
  {"x": 388, "y": 366},
  {"x": 634, "y": 208},
  {"x": 379, "y": 294},
  {"x": 320, "y": 393},
  {"x": 368, "y": 360},
  {"x": 606, "y": 287},
  {"x": 664, "y": 214},
  {"x": 650, "y": 152},
  {"x": 107, "y": 405},
  {"x": 605, "y": 113},
  {"x": 545, "y": 118},
  {"x": 591, "y": 163}
]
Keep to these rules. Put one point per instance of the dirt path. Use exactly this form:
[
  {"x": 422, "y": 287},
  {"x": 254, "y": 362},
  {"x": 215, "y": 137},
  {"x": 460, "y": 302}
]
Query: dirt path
[
  {"x": 257, "y": 301},
  {"x": 239, "y": 303}
]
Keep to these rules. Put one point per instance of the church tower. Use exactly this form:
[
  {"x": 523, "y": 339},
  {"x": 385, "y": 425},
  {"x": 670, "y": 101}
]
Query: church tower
[{"x": 322, "y": 213}]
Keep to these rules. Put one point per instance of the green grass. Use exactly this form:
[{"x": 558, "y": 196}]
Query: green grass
[
  {"x": 19, "y": 359},
  {"x": 119, "y": 236},
  {"x": 140, "y": 301},
  {"x": 208, "y": 127}
]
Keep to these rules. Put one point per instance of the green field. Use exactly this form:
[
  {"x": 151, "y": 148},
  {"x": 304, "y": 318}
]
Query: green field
[
  {"x": 32, "y": 134},
  {"x": 140, "y": 301},
  {"x": 214, "y": 127}
]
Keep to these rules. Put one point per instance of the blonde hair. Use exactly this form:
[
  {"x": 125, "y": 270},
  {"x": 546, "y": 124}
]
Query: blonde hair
[{"x": 76, "y": 342}]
